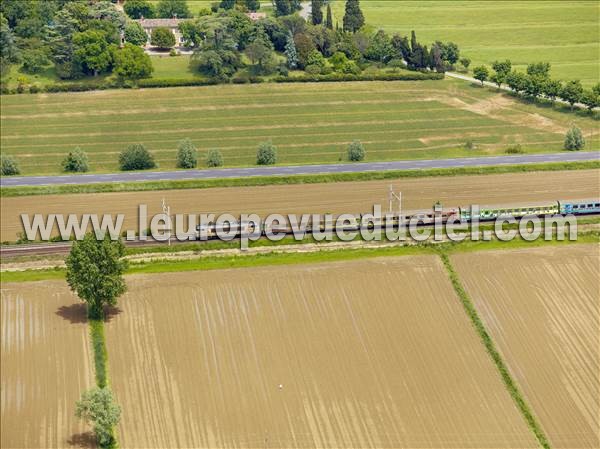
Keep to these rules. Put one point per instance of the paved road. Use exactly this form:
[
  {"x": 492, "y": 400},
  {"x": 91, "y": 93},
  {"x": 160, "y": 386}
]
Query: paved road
[{"x": 298, "y": 170}]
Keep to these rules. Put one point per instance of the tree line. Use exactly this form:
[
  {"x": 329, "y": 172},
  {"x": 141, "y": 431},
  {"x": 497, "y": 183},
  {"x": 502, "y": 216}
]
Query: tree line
[
  {"x": 536, "y": 83},
  {"x": 139, "y": 157}
]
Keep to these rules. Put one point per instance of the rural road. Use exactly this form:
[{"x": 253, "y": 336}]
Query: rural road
[{"x": 298, "y": 170}]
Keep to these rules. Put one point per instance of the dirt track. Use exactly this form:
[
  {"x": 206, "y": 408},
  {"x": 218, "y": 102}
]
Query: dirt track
[
  {"x": 543, "y": 311},
  {"x": 356, "y": 354},
  {"x": 354, "y": 197},
  {"x": 46, "y": 365}
]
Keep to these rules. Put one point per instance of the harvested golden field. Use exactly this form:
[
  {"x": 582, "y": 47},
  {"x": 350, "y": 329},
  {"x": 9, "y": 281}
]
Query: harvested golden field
[
  {"x": 542, "y": 307},
  {"x": 348, "y": 197},
  {"x": 46, "y": 365},
  {"x": 374, "y": 353}
]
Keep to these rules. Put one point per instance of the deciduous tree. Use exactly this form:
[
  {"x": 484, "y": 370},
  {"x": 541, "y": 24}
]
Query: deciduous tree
[
  {"x": 92, "y": 51},
  {"x": 76, "y": 161},
  {"x": 266, "y": 154},
  {"x": 173, "y": 8},
  {"x": 481, "y": 73},
  {"x": 95, "y": 268},
  {"x": 356, "y": 151},
  {"x": 136, "y": 9},
  {"x": 132, "y": 63},
  {"x": 187, "y": 154},
  {"x": 162, "y": 38},
  {"x": 502, "y": 69},
  {"x": 574, "y": 140},
  {"x": 214, "y": 158},
  {"x": 135, "y": 34},
  {"x": 571, "y": 92},
  {"x": 98, "y": 407},
  {"x": 8, "y": 165},
  {"x": 136, "y": 157}
]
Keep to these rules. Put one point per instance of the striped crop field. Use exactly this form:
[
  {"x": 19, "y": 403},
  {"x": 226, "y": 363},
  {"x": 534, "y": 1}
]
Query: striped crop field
[
  {"x": 541, "y": 307},
  {"x": 310, "y": 123},
  {"x": 564, "y": 33},
  {"x": 370, "y": 354},
  {"x": 46, "y": 365}
]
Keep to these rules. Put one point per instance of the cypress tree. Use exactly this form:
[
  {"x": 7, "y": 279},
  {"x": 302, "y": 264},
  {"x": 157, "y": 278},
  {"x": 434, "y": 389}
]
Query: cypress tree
[
  {"x": 282, "y": 7},
  {"x": 329, "y": 21},
  {"x": 353, "y": 18},
  {"x": 317, "y": 13},
  {"x": 291, "y": 52}
]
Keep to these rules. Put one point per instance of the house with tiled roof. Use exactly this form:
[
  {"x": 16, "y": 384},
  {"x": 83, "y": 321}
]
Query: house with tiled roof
[{"x": 149, "y": 25}]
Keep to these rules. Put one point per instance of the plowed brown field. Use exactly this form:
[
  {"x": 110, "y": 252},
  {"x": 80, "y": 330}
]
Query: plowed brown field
[
  {"x": 340, "y": 355},
  {"x": 350, "y": 197},
  {"x": 46, "y": 365},
  {"x": 542, "y": 307}
]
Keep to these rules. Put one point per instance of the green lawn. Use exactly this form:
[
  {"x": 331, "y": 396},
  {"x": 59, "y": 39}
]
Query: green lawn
[
  {"x": 309, "y": 123},
  {"x": 565, "y": 33}
]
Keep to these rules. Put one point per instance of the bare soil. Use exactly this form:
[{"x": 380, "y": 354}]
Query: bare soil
[
  {"x": 46, "y": 365},
  {"x": 542, "y": 307},
  {"x": 336, "y": 198},
  {"x": 374, "y": 353}
]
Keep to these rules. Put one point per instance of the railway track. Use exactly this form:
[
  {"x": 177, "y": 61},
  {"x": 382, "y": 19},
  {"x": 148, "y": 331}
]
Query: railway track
[{"x": 8, "y": 252}]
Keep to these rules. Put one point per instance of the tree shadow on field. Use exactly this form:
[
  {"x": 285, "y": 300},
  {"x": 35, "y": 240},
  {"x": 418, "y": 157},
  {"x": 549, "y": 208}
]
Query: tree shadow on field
[
  {"x": 85, "y": 439},
  {"x": 77, "y": 313},
  {"x": 74, "y": 313}
]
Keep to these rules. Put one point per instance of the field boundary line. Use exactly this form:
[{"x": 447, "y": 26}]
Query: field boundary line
[
  {"x": 236, "y": 261},
  {"x": 488, "y": 342},
  {"x": 96, "y": 327}
]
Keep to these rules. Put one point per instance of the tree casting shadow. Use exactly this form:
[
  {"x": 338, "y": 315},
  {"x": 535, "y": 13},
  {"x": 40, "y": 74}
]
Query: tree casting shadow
[{"x": 77, "y": 313}]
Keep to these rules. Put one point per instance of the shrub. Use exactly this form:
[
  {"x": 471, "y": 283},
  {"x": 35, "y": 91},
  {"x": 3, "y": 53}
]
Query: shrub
[
  {"x": 76, "y": 161},
  {"x": 356, "y": 151},
  {"x": 187, "y": 154},
  {"x": 267, "y": 154},
  {"x": 165, "y": 82},
  {"x": 469, "y": 145},
  {"x": 338, "y": 77},
  {"x": 214, "y": 158},
  {"x": 162, "y": 38},
  {"x": 173, "y": 52},
  {"x": 34, "y": 89},
  {"x": 574, "y": 140},
  {"x": 136, "y": 157},
  {"x": 8, "y": 166},
  {"x": 515, "y": 149},
  {"x": 313, "y": 69}
]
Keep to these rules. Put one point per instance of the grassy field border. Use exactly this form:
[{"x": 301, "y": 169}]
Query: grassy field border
[
  {"x": 278, "y": 258},
  {"x": 100, "y": 352},
  {"x": 101, "y": 363},
  {"x": 6, "y": 192},
  {"x": 509, "y": 382}
]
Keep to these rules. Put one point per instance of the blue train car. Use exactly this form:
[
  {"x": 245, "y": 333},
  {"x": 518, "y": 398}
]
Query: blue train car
[{"x": 579, "y": 207}]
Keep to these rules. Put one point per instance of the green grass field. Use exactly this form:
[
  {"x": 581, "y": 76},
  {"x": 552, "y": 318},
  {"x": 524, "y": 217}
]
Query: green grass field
[
  {"x": 309, "y": 123},
  {"x": 565, "y": 33}
]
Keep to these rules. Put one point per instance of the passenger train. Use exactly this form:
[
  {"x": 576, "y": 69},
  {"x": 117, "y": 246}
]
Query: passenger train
[{"x": 463, "y": 214}]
